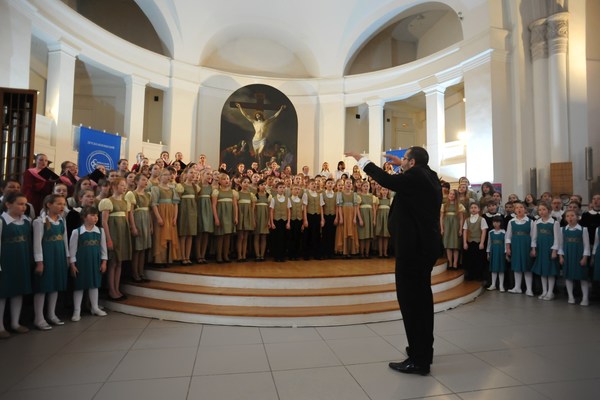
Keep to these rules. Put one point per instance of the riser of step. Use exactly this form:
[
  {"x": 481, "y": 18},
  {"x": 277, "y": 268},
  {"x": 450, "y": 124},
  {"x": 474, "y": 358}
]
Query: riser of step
[
  {"x": 286, "y": 321},
  {"x": 276, "y": 283},
  {"x": 291, "y": 299}
]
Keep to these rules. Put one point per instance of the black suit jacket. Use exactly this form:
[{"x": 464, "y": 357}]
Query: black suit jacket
[{"x": 414, "y": 219}]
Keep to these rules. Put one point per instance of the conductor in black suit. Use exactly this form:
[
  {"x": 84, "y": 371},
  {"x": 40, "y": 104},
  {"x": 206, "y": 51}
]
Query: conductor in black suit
[{"x": 414, "y": 225}]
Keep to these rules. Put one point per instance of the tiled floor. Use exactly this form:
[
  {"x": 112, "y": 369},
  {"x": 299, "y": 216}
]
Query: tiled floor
[{"x": 501, "y": 346}]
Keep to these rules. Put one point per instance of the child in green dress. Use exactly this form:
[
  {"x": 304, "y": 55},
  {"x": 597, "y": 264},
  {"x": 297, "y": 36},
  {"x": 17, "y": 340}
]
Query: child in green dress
[
  {"x": 574, "y": 253},
  {"x": 246, "y": 221},
  {"x": 88, "y": 261},
  {"x": 225, "y": 210},
  {"x": 115, "y": 222},
  {"x": 187, "y": 222},
  {"x": 140, "y": 221},
  {"x": 50, "y": 252},
  {"x": 15, "y": 259}
]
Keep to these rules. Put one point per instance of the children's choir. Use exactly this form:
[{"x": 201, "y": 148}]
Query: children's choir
[
  {"x": 161, "y": 215},
  {"x": 533, "y": 243}
]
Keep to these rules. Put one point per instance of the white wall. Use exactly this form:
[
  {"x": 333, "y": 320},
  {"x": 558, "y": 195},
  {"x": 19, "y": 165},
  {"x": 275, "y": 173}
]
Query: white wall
[
  {"x": 153, "y": 115},
  {"x": 256, "y": 57},
  {"x": 593, "y": 81},
  {"x": 357, "y": 130},
  {"x": 455, "y": 116},
  {"x": 15, "y": 31},
  {"x": 376, "y": 55},
  {"x": 443, "y": 34}
]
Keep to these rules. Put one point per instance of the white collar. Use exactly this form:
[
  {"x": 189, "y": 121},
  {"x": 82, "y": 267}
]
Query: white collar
[
  {"x": 9, "y": 220},
  {"x": 574, "y": 228},
  {"x": 82, "y": 229},
  {"x": 45, "y": 217},
  {"x": 593, "y": 212}
]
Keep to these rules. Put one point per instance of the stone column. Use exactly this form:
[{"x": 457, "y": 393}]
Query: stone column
[
  {"x": 15, "y": 46},
  {"x": 59, "y": 98},
  {"x": 436, "y": 125},
  {"x": 541, "y": 114},
  {"x": 179, "y": 119},
  {"x": 483, "y": 151},
  {"x": 558, "y": 36},
  {"x": 331, "y": 136},
  {"x": 135, "y": 91},
  {"x": 375, "y": 130}
]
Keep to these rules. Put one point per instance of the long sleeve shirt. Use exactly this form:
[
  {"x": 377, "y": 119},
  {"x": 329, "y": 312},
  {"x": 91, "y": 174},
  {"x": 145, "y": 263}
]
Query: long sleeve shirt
[
  {"x": 38, "y": 234},
  {"x": 74, "y": 242}
]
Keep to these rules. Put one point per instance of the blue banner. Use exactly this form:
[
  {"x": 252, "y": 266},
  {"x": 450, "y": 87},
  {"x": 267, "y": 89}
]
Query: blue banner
[
  {"x": 398, "y": 153},
  {"x": 97, "y": 147}
]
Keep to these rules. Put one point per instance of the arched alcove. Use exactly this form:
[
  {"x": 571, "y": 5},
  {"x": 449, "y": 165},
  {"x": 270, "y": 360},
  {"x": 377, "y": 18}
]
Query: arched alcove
[
  {"x": 413, "y": 34},
  {"x": 122, "y": 18}
]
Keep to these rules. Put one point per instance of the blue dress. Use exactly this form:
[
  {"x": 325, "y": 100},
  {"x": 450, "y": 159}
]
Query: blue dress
[
  {"x": 573, "y": 253},
  {"x": 16, "y": 260},
  {"x": 544, "y": 265},
  {"x": 520, "y": 246},
  {"x": 497, "y": 250}
]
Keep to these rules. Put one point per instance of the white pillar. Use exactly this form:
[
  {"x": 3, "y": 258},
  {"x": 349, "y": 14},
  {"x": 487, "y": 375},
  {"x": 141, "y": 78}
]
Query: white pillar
[
  {"x": 580, "y": 135},
  {"x": 135, "y": 91},
  {"x": 492, "y": 154},
  {"x": 59, "y": 98},
  {"x": 179, "y": 119},
  {"x": 558, "y": 35},
  {"x": 375, "y": 130},
  {"x": 541, "y": 114},
  {"x": 15, "y": 47},
  {"x": 331, "y": 137},
  {"x": 436, "y": 125}
]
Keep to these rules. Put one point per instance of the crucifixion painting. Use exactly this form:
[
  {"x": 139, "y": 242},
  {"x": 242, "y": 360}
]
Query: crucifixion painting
[
  {"x": 258, "y": 121},
  {"x": 258, "y": 124}
]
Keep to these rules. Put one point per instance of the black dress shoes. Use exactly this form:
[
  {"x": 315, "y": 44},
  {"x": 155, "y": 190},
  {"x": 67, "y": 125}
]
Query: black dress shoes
[{"x": 408, "y": 366}]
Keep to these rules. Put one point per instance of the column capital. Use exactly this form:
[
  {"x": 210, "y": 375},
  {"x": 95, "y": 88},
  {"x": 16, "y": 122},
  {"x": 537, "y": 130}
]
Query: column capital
[
  {"x": 63, "y": 47},
  {"x": 537, "y": 41},
  {"x": 558, "y": 32},
  {"x": 134, "y": 80},
  {"x": 436, "y": 89},
  {"x": 375, "y": 102}
]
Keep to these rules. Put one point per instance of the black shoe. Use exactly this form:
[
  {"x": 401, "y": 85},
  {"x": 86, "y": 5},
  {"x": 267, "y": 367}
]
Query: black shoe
[{"x": 409, "y": 367}]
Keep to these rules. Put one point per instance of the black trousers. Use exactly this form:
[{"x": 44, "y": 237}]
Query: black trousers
[
  {"x": 312, "y": 236},
  {"x": 295, "y": 238},
  {"x": 474, "y": 262},
  {"x": 328, "y": 243},
  {"x": 279, "y": 237},
  {"x": 413, "y": 288}
]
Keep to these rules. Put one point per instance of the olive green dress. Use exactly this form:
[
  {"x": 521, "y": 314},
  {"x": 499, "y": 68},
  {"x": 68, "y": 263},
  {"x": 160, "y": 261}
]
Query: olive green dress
[
  {"x": 262, "y": 214},
  {"x": 206, "y": 220},
  {"x": 225, "y": 211},
  {"x": 118, "y": 225},
  {"x": 187, "y": 218},
  {"x": 246, "y": 203},
  {"x": 141, "y": 215}
]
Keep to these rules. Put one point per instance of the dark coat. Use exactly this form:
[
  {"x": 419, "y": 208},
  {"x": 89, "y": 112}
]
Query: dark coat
[{"x": 414, "y": 219}]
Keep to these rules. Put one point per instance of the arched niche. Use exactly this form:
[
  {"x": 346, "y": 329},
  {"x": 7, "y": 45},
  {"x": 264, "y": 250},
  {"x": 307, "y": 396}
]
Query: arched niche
[{"x": 413, "y": 34}]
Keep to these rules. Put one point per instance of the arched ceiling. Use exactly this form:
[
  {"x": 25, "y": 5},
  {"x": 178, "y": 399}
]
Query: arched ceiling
[
  {"x": 313, "y": 38},
  {"x": 319, "y": 34}
]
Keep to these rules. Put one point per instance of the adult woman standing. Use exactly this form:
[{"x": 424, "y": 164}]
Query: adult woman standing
[{"x": 38, "y": 182}]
